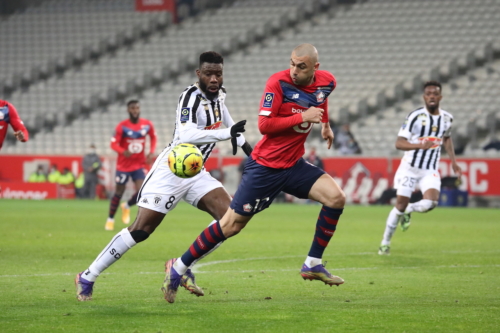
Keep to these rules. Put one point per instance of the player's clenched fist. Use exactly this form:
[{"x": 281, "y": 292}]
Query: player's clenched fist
[{"x": 313, "y": 115}]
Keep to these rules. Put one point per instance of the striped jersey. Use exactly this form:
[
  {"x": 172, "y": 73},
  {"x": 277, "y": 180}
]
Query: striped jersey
[
  {"x": 421, "y": 126},
  {"x": 199, "y": 120}
]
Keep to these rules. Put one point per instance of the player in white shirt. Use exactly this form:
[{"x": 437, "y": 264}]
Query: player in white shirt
[
  {"x": 421, "y": 137},
  {"x": 200, "y": 113}
]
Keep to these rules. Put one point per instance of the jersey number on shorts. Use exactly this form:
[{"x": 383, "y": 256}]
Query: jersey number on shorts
[
  {"x": 409, "y": 182},
  {"x": 170, "y": 202},
  {"x": 259, "y": 203},
  {"x": 303, "y": 128}
]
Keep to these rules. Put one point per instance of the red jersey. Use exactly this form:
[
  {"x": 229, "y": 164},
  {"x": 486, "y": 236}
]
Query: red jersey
[
  {"x": 281, "y": 149},
  {"x": 132, "y": 137},
  {"x": 8, "y": 115}
]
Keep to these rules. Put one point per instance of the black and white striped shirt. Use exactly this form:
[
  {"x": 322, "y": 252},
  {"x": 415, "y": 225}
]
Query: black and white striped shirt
[
  {"x": 421, "y": 126},
  {"x": 199, "y": 120}
]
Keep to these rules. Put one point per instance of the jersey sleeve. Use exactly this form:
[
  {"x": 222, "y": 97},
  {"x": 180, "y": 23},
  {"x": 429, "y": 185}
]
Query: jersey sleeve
[
  {"x": 188, "y": 125},
  {"x": 447, "y": 133},
  {"x": 115, "y": 140},
  {"x": 16, "y": 122},
  {"x": 326, "y": 117},
  {"x": 272, "y": 98},
  {"x": 152, "y": 137},
  {"x": 405, "y": 130}
]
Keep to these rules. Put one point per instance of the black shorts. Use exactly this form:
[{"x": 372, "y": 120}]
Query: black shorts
[{"x": 260, "y": 185}]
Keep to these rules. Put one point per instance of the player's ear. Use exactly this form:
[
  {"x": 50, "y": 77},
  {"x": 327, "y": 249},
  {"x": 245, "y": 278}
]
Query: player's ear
[
  {"x": 316, "y": 66},
  {"x": 198, "y": 73}
]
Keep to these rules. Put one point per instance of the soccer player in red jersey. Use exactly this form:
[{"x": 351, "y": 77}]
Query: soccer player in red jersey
[
  {"x": 293, "y": 101},
  {"x": 9, "y": 115},
  {"x": 129, "y": 142}
]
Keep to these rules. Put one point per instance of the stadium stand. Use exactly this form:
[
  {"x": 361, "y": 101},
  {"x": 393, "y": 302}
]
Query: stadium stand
[{"x": 380, "y": 52}]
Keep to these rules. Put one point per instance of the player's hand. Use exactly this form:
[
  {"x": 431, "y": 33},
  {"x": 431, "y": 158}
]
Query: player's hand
[
  {"x": 457, "y": 170},
  {"x": 149, "y": 158},
  {"x": 426, "y": 144},
  {"x": 327, "y": 135},
  {"x": 19, "y": 135},
  {"x": 238, "y": 128},
  {"x": 313, "y": 115},
  {"x": 127, "y": 153}
]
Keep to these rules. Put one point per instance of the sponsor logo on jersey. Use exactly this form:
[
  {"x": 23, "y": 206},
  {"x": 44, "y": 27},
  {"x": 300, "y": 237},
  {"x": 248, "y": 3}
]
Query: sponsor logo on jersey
[
  {"x": 185, "y": 114},
  {"x": 294, "y": 110},
  {"x": 145, "y": 201},
  {"x": 214, "y": 126},
  {"x": 247, "y": 208},
  {"x": 295, "y": 96},
  {"x": 437, "y": 141},
  {"x": 320, "y": 96},
  {"x": 268, "y": 100}
]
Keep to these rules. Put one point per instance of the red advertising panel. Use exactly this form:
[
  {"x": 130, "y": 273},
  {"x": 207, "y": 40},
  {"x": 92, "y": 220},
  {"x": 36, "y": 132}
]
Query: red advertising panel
[{"x": 155, "y": 5}]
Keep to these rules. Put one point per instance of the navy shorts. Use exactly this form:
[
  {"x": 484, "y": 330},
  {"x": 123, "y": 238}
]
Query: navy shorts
[
  {"x": 260, "y": 185},
  {"x": 122, "y": 177}
]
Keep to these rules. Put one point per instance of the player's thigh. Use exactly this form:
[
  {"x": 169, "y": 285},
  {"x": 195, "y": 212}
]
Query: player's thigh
[
  {"x": 430, "y": 185},
  {"x": 258, "y": 188},
  {"x": 138, "y": 177},
  {"x": 216, "y": 202},
  {"x": 405, "y": 181},
  {"x": 162, "y": 190},
  {"x": 301, "y": 178},
  {"x": 326, "y": 191}
]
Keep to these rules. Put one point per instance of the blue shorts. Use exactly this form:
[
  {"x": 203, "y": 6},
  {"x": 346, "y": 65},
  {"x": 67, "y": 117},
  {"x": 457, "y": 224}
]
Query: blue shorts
[
  {"x": 122, "y": 177},
  {"x": 260, "y": 185}
]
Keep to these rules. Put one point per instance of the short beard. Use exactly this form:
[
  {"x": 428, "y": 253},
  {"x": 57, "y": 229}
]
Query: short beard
[{"x": 210, "y": 95}]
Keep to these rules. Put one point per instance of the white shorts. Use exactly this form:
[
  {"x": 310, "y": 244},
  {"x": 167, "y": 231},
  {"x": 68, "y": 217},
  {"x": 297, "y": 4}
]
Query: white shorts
[
  {"x": 162, "y": 190},
  {"x": 407, "y": 178}
]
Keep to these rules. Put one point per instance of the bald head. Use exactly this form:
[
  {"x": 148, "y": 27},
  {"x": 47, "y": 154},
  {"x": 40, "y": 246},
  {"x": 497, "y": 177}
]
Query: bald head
[
  {"x": 306, "y": 50},
  {"x": 303, "y": 64}
]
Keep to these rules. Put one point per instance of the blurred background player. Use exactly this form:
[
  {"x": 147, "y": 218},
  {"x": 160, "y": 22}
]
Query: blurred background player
[
  {"x": 421, "y": 136},
  {"x": 91, "y": 163},
  {"x": 129, "y": 142},
  {"x": 293, "y": 101},
  {"x": 9, "y": 115},
  {"x": 201, "y": 111}
]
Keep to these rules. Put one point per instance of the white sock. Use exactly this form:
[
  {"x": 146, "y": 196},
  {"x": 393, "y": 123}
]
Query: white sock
[
  {"x": 421, "y": 206},
  {"x": 311, "y": 261},
  {"x": 180, "y": 267},
  {"x": 206, "y": 254},
  {"x": 391, "y": 224},
  {"x": 111, "y": 253}
]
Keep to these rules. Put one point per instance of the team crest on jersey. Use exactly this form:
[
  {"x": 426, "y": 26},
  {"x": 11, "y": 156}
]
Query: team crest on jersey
[
  {"x": 247, "y": 208},
  {"x": 157, "y": 200},
  {"x": 434, "y": 128},
  {"x": 268, "y": 100},
  {"x": 320, "y": 96},
  {"x": 185, "y": 114}
]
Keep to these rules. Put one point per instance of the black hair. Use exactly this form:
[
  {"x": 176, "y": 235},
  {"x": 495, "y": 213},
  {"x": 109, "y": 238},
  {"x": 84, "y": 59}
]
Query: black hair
[
  {"x": 132, "y": 101},
  {"x": 432, "y": 84},
  {"x": 211, "y": 57}
]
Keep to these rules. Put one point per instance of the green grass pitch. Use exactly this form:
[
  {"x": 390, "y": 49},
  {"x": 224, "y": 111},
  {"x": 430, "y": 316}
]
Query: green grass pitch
[{"x": 443, "y": 274}]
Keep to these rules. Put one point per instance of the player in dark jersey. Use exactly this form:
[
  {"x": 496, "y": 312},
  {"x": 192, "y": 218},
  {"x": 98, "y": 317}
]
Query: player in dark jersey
[
  {"x": 129, "y": 142},
  {"x": 9, "y": 115},
  {"x": 292, "y": 102}
]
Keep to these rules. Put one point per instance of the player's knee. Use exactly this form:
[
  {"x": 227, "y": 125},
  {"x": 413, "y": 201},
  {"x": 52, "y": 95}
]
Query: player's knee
[
  {"x": 139, "y": 235},
  {"x": 336, "y": 201}
]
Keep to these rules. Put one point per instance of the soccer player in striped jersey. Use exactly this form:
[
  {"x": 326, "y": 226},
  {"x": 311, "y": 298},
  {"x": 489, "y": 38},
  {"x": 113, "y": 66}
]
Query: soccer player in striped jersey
[
  {"x": 293, "y": 101},
  {"x": 201, "y": 112},
  {"x": 421, "y": 136}
]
